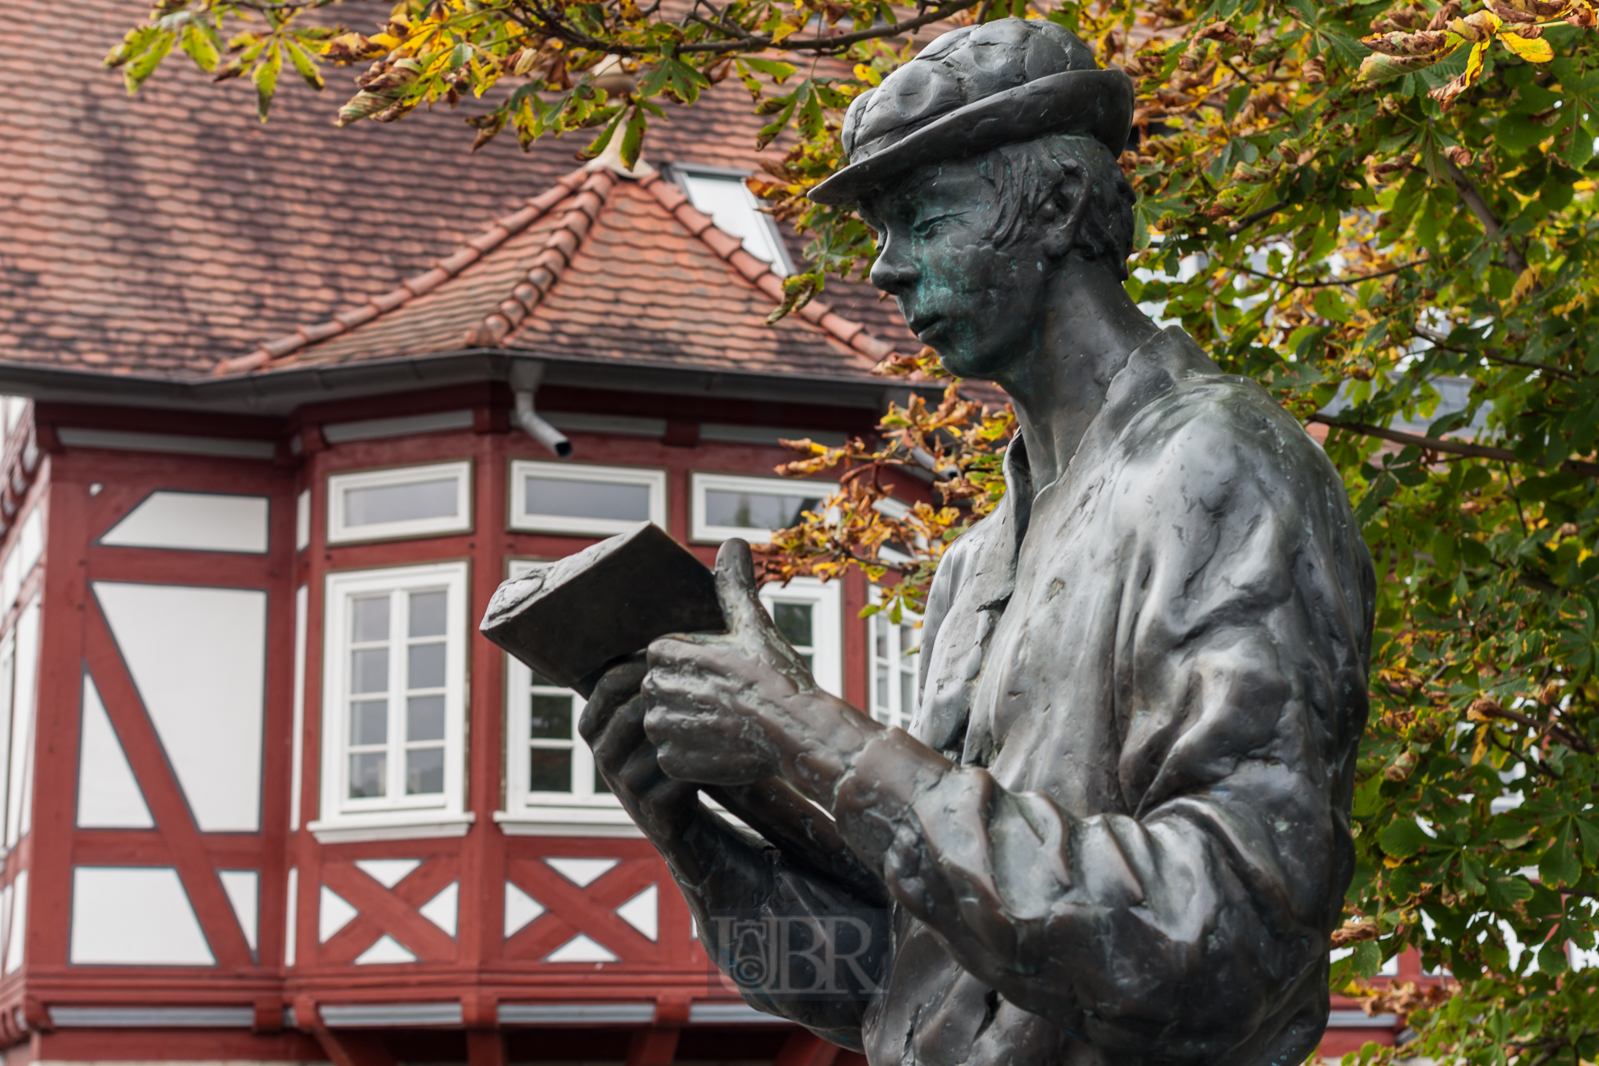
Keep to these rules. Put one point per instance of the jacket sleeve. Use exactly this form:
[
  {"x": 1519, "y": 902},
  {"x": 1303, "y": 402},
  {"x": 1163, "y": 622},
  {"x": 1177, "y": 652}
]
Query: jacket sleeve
[
  {"x": 795, "y": 942},
  {"x": 1172, "y": 926}
]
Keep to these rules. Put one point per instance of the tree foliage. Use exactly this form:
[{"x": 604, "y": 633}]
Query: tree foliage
[{"x": 1356, "y": 204}]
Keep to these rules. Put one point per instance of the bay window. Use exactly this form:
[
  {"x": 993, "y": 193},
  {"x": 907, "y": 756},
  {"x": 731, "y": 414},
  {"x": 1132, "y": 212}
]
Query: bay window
[
  {"x": 412, "y": 501},
  {"x": 394, "y": 698},
  {"x": 551, "y": 785},
  {"x": 725, "y": 505},
  {"x": 895, "y": 657}
]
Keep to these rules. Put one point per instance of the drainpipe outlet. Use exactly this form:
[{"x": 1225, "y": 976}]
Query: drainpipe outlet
[{"x": 525, "y": 378}]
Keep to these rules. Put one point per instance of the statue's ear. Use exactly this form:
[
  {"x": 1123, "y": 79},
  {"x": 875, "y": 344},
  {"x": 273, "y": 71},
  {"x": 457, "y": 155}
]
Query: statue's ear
[{"x": 1063, "y": 215}]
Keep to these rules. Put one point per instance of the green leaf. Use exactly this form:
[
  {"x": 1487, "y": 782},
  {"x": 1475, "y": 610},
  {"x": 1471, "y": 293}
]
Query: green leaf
[
  {"x": 304, "y": 65},
  {"x": 1561, "y": 863},
  {"x": 200, "y": 42},
  {"x": 1403, "y": 838},
  {"x": 265, "y": 78},
  {"x": 142, "y": 53},
  {"x": 775, "y": 69},
  {"x": 633, "y": 138}
]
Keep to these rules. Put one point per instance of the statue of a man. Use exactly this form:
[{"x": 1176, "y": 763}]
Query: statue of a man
[{"x": 1118, "y": 828}]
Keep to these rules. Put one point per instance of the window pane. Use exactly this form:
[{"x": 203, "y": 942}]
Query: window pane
[
  {"x": 794, "y": 622},
  {"x": 424, "y": 718},
  {"x": 400, "y": 503},
  {"x": 369, "y": 722},
  {"x": 587, "y": 499},
  {"x": 879, "y": 638},
  {"x": 907, "y": 694},
  {"x": 549, "y": 770},
  {"x": 427, "y": 614},
  {"x": 424, "y": 666},
  {"x": 733, "y": 209},
  {"x": 367, "y": 771},
  {"x": 370, "y": 615},
  {"x": 369, "y": 670},
  {"x": 882, "y": 685},
  {"x": 755, "y": 510},
  {"x": 806, "y": 659},
  {"x": 551, "y": 718},
  {"x": 424, "y": 771}
]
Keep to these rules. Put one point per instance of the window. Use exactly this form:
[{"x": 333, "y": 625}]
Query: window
[
  {"x": 809, "y": 614},
  {"x": 550, "y": 774},
  {"x": 751, "y": 507},
  {"x": 563, "y": 498},
  {"x": 394, "y": 694},
  {"x": 722, "y": 194},
  {"x": 896, "y": 653},
  {"x": 412, "y": 501}
]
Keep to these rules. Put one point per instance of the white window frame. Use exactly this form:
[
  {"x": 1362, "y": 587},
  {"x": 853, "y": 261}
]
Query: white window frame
[
  {"x": 340, "y": 532},
  {"x": 682, "y": 173},
  {"x": 700, "y": 484},
  {"x": 390, "y": 816},
  {"x": 579, "y": 812},
  {"x": 652, "y": 479},
  {"x": 892, "y": 711},
  {"x": 826, "y": 601}
]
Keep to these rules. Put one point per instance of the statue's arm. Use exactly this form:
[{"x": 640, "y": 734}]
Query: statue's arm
[{"x": 725, "y": 873}]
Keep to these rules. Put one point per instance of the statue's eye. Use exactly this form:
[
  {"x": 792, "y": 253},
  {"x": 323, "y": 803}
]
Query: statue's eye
[{"x": 926, "y": 227}]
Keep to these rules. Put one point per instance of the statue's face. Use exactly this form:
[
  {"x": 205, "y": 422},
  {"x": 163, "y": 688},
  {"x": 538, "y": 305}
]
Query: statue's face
[{"x": 977, "y": 305}]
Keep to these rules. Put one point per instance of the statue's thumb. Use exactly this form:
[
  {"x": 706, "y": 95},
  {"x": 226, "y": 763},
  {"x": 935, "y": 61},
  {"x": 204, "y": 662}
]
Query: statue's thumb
[{"x": 735, "y": 586}]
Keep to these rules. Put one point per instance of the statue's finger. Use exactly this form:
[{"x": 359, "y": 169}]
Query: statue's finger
[
  {"x": 622, "y": 733},
  {"x": 615, "y": 687},
  {"x": 736, "y": 589}
]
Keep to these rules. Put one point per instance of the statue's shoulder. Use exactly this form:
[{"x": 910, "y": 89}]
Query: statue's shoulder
[{"x": 1210, "y": 432}]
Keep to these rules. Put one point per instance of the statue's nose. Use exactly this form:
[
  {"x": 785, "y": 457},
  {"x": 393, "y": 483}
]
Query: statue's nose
[{"x": 893, "y": 273}]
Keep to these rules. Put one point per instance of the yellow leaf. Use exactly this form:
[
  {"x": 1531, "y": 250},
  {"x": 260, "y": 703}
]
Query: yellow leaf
[
  {"x": 1474, "y": 62},
  {"x": 1524, "y": 284},
  {"x": 1480, "y": 748},
  {"x": 1533, "y": 51},
  {"x": 1478, "y": 26},
  {"x": 867, "y": 74}
]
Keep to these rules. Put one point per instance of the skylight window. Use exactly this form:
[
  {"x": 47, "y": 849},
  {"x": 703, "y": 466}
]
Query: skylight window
[{"x": 722, "y": 194}]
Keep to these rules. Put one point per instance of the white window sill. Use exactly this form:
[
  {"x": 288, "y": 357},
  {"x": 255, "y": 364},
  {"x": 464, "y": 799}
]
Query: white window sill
[
  {"x": 569, "y": 820},
  {"x": 400, "y": 825}
]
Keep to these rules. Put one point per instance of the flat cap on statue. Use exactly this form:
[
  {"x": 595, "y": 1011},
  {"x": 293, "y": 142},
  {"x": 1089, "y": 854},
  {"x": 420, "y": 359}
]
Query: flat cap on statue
[{"x": 976, "y": 89}]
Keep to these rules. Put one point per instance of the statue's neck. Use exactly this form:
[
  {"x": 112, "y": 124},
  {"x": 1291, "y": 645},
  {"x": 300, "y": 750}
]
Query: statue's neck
[{"x": 1092, "y": 326}]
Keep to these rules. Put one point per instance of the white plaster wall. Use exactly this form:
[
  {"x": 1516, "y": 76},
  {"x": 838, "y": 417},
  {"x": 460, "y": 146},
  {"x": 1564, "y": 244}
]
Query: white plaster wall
[
  {"x": 128, "y": 915},
  {"x": 198, "y": 657},
  {"x": 19, "y": 805},
  {"x": 194, "y": 521},
  {"x": 109, "y": 796}
]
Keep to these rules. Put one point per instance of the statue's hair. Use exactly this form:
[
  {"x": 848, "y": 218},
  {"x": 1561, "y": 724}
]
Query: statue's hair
[{"x": 1027, "y": 176}]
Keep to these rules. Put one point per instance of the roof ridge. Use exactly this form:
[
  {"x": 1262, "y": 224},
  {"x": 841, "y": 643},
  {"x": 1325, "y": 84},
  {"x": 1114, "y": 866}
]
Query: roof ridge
[
  {"x": 470, "y": 252},
  {"x": 551, "y": 262},
  {"x": 730, "y": 249}
]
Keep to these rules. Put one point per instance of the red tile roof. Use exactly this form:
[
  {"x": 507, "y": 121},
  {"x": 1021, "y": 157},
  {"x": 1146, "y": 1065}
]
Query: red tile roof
[
  {"x": 168, "y": 231},
  {"x": 600, "y": 268}
]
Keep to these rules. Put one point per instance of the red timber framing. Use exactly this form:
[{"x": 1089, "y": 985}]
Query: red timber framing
[{"x": 476, "y": 995}]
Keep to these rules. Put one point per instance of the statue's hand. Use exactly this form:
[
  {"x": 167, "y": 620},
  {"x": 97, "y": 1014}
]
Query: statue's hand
[
  {"x": 613, "y": 725},
  {"x": 724, "y": 709}
]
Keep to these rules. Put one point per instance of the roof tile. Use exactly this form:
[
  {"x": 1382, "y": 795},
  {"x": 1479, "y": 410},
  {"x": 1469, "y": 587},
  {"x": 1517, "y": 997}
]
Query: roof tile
[
  {"x": 170, "y": 232},
  {"x": 611, "y": 274}
]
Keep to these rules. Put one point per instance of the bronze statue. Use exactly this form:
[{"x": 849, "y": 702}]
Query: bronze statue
[{"x": 1117, "y": 831}]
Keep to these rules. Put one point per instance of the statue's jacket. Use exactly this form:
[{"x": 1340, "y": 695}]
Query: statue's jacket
[{"x": 1118, "y": 830}]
